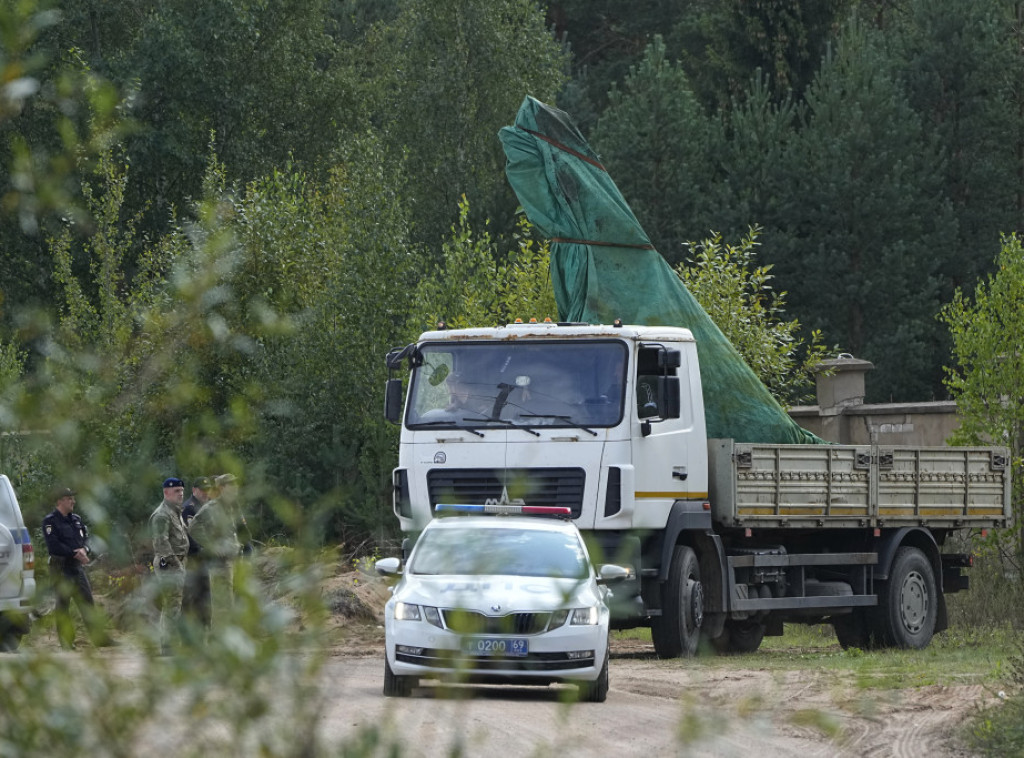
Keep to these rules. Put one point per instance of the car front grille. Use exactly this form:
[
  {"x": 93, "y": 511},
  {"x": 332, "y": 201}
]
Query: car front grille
[
  {"x": 471, "y": 622},
  {"x": 534, "y": 486}
]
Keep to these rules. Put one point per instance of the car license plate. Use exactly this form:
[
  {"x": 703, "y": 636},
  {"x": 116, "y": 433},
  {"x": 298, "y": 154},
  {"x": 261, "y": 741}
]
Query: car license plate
[{"x": 497, "y": 646}]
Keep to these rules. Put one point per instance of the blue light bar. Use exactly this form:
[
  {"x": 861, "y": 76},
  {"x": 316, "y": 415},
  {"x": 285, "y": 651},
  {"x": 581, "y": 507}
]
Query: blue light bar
[{"x": 504, "y": 509}]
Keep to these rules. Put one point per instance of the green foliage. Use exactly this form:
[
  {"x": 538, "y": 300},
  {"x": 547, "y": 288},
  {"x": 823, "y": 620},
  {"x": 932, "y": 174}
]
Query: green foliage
[
  {"x": 999, "y": 729},
  {"x": 241, "y": 691},
  {"x": 471, "y": 287},
  {"x": 738, "y": 296},
  {"x": 723, "y": 43},
  {"x": 50, "y": 119},
  {"x": 336, "y": 256},
  {"x": 661, "y": 149},
  {"x": 265, "y": 77},
  {"x": 986, "y": 375},
  {"x": 858, "y": 225},
  {"x": 443, "y": 78},
  {"x": 961, "y": 65}
]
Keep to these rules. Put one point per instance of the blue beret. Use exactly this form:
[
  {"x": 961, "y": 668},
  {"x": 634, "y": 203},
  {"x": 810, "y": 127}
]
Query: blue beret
[{"x": 173, "y": 482}]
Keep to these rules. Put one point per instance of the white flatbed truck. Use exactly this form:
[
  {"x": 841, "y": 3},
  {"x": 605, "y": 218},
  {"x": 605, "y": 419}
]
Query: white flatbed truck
[{"x": 725, "y": 541}]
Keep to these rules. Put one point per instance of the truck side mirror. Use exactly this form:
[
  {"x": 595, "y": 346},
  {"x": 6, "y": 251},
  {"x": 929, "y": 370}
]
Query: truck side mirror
[
  {"x": 393, "y": 400},
  {"x": 668, "y": 396},
  {"x": 669, "y": 358}
]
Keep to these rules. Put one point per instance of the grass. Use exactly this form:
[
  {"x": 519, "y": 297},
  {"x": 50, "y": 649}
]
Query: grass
[
  {"x": 992, "y": 657},
  {"x": 954, "y": 657}
]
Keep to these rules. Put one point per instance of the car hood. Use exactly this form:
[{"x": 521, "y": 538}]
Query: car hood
[{"x": 508, "y": 593}]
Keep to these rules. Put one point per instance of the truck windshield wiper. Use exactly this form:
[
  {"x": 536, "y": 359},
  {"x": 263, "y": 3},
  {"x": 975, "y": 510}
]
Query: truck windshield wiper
[
  {"x": 505, "y": 422},
  {"x": 560, "y": 417},
  {"x": 448, "y": 425}
]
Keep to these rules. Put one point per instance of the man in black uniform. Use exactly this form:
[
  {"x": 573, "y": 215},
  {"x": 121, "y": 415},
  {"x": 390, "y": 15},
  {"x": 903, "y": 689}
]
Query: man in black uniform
[
  {"x": 201, "y": 493},
  {"x": 66, "y": 535}
]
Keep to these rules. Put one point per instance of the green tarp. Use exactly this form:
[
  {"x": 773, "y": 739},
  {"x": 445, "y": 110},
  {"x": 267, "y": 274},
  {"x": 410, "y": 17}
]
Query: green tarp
[{"x": 603, "y": 267}]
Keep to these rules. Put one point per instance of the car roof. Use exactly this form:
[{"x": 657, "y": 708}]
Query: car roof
[{"x": 545, "y": 524}]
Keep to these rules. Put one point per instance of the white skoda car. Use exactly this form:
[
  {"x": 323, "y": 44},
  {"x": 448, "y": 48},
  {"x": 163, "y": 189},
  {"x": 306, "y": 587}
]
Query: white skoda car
[{"x": 498, "y": 599}]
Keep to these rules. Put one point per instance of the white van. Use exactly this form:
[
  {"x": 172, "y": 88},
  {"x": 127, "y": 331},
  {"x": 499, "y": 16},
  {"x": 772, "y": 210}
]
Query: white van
[{"x": 17, "y": 570}]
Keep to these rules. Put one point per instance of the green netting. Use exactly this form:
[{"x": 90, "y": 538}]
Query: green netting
[{"x": 603, "y": 267}]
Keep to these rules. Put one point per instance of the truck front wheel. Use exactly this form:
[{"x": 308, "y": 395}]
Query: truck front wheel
[
  {"x": 908, "y": 602},
  {"x": 676, "y": 631}
]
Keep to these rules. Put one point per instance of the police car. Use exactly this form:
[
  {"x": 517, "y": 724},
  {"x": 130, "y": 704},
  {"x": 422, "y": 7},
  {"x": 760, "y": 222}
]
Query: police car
[
  {"x": 17, "y": 570},
  {"x": 498, "y": 599}
]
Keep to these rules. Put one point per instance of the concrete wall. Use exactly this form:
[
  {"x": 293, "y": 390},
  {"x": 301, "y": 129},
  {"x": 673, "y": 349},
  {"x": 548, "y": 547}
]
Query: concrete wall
[{"x": 842, "y": 416}]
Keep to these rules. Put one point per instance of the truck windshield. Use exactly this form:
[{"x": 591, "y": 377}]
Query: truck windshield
[{"x": 472, "y": 384}]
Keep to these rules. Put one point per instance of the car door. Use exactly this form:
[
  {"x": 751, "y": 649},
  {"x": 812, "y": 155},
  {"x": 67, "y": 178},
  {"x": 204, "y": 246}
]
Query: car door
[{"x": 10, "y": 542}]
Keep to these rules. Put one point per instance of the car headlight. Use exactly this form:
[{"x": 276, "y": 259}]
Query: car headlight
[
  {"x": 407, "y": 612},
  {"x": 578, "y": 616},
  {"x": 412, "y": 612},
  {"x": 584, "y": 616}
]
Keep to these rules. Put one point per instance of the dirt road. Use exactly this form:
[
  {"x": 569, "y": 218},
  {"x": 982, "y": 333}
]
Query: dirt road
[{"x": 655, "y": 707}]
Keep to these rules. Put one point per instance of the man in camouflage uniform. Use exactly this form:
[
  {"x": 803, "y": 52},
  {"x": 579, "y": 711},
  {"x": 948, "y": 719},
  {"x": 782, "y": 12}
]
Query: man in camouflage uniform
[
  {"x": 170, "y": 551},
  {"x": 215, "y": 529}
]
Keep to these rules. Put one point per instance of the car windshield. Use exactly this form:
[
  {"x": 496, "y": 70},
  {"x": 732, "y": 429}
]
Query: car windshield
[
  {"x": 558, "y": 383},
  {"x": 505, "y": 551}
]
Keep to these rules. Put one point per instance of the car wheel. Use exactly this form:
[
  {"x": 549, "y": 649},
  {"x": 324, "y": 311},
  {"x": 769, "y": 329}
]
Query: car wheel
[
  {"x": 676, "y": 631},
  {"x": 12, "y": 629},
  {"x": 397, "y": 686},
  {"x": 907, "y": 602},
  {"x": 597, "y": 690}
]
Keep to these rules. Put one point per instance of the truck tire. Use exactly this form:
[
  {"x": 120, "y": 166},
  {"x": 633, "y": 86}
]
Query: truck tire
[
  {"x": 854, "y": 630},
  {"x": 597, "y": 690},
  {"x": 397, "y": 686},
  {"x": 739, "y": 637},
  {"x": 908, "y": 601},
  {"x": 676, "y": 631}
]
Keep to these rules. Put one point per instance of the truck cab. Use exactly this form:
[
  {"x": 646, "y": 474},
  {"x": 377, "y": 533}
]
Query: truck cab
[{"x": 553, "y": 414}]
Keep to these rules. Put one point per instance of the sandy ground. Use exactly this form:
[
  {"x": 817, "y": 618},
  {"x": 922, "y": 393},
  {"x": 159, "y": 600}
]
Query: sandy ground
[
  {"x": 699, "y": 707},
  {"x": 677, "y": 707}
]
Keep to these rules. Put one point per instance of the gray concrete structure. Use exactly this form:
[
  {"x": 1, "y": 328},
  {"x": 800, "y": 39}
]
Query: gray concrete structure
[{"x": 842, "y": 416}]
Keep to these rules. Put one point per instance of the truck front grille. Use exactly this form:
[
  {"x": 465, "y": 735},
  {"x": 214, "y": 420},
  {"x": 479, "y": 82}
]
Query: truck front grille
[{"x": 536, "y": 486}]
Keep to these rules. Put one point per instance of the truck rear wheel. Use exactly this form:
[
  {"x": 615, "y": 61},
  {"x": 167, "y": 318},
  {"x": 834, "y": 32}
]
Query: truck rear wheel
[
  {"x": 908, "y": 601},
  {"x": 676, "y": 631},
  {"x": 739, "y": 637},
  {"x": 853, "y": 630}
]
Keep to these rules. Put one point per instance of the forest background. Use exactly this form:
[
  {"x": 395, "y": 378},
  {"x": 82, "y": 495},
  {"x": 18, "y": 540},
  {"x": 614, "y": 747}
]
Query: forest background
[{"x": 218, "y": 216}]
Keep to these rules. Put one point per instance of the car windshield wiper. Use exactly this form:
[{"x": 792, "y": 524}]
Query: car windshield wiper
[
  {"x": 505, "y": 422},
  {"x": 560, "y": 417}
]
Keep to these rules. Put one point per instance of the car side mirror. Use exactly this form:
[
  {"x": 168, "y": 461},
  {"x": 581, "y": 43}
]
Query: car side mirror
[
  {"x": 388, "y": 567},
  {"x": 609, "y": 573}
]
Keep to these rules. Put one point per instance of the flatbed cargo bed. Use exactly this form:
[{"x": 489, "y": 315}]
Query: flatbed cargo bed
[{"x": 849, "y": 486}]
